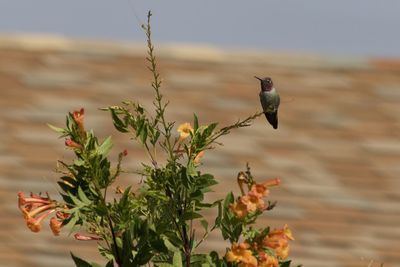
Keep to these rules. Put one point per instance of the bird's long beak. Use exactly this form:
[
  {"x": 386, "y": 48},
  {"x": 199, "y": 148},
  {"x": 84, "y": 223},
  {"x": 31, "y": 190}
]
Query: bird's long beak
[{"x": 257, "y": 78}]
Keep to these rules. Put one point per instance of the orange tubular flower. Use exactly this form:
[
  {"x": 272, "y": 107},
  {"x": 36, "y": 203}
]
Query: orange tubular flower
[
  {"x": 248, "y": 203},
  {"x": 55, "y": 226},
  {"x": 57, "y": 222},
  {"x": 72, "y": 144},
  {"x": 267, "y": 260},
  {"x": 78, "y": 118},
  {"x": 259, "y": 190},
  {"x": 251, "y": 202},
  {"x": 272, "y": 182},
  {"x": 86, "y": 237},
  {"x": 198, "y": 157},
  {"x": 239, "y": 208},
  {"x": 34, "y": 223},
  {"x": 241, "y": 254},
  {"x": 279, "y": 241},
  {"x": 28, "y": 203}
]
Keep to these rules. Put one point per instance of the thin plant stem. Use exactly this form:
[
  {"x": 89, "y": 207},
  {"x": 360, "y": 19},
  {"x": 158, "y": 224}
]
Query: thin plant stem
[{"x": 156, "y": 84}]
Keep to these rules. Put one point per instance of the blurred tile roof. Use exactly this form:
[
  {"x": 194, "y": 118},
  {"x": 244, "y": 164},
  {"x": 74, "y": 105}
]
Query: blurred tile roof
[{"x": 337, "y": 148}]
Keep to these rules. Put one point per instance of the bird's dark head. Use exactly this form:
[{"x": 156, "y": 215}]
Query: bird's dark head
[{"x": 266, "y": 83}]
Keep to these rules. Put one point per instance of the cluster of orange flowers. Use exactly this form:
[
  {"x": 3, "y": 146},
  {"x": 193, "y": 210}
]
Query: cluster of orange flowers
[
  {"x": 253, "y": 200},
  {"x": 277, "y": 241},
  {"x": 36, "y": 208},
  {"x": 275, "y": 245}
]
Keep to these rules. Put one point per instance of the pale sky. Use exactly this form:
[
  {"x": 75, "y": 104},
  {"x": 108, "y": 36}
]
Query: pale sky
[{"x": 343, "y": 27}]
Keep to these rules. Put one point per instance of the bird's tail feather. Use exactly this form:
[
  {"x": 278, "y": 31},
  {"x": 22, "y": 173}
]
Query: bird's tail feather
[{"x": 272, "y": 118}]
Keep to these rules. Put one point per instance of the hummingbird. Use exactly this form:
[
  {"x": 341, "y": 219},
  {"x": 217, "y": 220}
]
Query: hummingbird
[{"x": 270, "y": 100}]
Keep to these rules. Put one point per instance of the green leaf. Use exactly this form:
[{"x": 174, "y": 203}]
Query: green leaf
[
  {"x": 169, "y": 245},
  {"x": 106, "y": 253},
  {"x": 285, "y": 263},
  {"x": 191, "y": 216},
  {"x": 143, "y": 134},
  {"x": 163, "y": 264},
  {"x": 71, "y": 221},
  {"x": 211, "y": 127},
  {"x": 79, "y": 162},
  {"x": 218, "y": 219},
  {"x": 118, "y": 124},
  {"x": 204, "y": 223},
  {"x": 110, "y": 264},
  {"x": 105, "y": 147},
  {"x": 228, "y": 200},
  {"x": 191, "y": 169},
  {"x": 139, "y": 126},
  {"x": 155, "y": 137},
  {"x": 195, "y": 122},
  {"x": 76, "y": 201},
  {"x": 57, "y": 129},
  {"x": 83, "y": 197},
  {"x": 79, "y": 262},
  {"x": 177, "y": 259},
  {"x": 67, "y": 183}
]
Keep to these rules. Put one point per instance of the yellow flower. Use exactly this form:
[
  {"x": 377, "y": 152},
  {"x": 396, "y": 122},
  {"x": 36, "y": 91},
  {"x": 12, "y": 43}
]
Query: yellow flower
[
  {"x": 184, "y": 130},
  {"x": 241, "y": 254}
]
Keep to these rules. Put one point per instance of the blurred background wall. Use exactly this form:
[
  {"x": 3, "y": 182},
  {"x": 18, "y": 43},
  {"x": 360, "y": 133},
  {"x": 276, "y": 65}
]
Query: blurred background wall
[{"x": 337, "y": 148}]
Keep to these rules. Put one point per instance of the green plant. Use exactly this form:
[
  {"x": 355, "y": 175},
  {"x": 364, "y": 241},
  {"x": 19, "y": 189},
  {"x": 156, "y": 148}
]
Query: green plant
[{"x": 154, "y": 225}]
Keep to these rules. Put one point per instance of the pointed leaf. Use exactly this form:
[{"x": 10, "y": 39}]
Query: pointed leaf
[
  {"x": 83, "y": 197},
  {"x": 191, "y": 216},
  {"x": 211, "y": 128},
  {"x": 118, "y": 124},
  {"x": 285, "y": 264},
  {"x": 57, "y": 129},
  {"x": 143, "y": 134},
  {"x": 79, "y": 262},
  {"x": 163, "y": 264},
  {"x": 71, "y": 222},
  {"x": 105, "y": 147},
  {"x": 169, "y": 245},
  {"x": 195, "y": 122},
  {"x": 204, "y": 223},
  {"x": 177, "y": 259},
  {"x": 228, "y": 200},
  {"x": 76, "y": 201}
]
